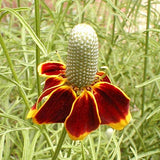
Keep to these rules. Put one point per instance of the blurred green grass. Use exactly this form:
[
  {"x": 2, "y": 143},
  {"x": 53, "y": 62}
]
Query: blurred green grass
[{"x": 121, "y": 29}]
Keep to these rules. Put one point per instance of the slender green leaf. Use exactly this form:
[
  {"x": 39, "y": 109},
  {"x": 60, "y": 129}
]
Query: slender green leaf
[
  {"x": 2, "y": 142},
  {"x": 156, "y": 78},
  {"x": 28, "y": 28}
]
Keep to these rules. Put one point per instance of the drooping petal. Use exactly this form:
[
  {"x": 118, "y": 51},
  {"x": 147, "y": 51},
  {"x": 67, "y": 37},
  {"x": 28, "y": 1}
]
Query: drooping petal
[
  {"x": 34, "y": 108},
  {"x": 51, "y": 68},
  {"x": 103, "y": 77},
  {"x": 113, "y": 105},
  {"x": 84, "y": 116},
  {"x": 57, "y": 107},
  {"x": 50, "y": 85}
]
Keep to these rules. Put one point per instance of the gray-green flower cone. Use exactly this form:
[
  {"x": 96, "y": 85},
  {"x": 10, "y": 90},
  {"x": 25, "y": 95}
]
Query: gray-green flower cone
[{"x": 82, "y": 56}]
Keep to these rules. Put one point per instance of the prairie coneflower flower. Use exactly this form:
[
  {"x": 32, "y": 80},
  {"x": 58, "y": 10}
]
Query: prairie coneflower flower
[{"x": 78, "y": 95}]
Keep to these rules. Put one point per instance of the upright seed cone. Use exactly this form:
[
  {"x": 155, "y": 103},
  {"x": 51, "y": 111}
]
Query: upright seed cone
[{"x": 82, "y": 56}]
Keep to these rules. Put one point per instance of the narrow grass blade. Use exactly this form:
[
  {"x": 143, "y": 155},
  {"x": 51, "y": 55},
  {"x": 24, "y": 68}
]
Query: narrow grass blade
[
  {"x": 28, "y": 28},
  {"x": 148, "y": 82},
  {"x": 146, "y": 154},
  {"x": 2, "y": 141}
]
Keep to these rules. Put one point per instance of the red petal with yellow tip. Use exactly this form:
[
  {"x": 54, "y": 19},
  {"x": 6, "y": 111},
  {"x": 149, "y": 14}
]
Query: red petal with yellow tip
[
  {"x": 103, "y": 77},
  {"x": 34, "y": 108},
  {"x": 57, "y": 107},
  {"x": 50, "y": 85},
  {"x": 51, "y": 68},
  {"x": 113, "y": 105},
  {"x": 84, "y": 116}
]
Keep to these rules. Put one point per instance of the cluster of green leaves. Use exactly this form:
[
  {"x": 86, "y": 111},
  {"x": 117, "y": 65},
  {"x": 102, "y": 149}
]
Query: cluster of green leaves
[{"x": 121, "y": 29}]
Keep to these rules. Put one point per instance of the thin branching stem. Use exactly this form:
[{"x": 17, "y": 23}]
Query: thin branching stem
[
  {"x": 37, "y": 22},
  {"x": 146, "y": 53},
  {"x": 60, "y": 143},
  {"x": 145, "y": 58},
  {"x": 113, "y": 33}
]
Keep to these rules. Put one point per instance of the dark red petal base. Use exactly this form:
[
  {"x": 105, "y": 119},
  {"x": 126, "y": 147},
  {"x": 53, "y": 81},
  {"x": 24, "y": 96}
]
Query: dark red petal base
[{"x": 57, "y": 107}]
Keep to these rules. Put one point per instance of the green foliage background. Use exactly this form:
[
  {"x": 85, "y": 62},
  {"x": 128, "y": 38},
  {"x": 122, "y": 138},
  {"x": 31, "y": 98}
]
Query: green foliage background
[{"x": 129, "y": 52}]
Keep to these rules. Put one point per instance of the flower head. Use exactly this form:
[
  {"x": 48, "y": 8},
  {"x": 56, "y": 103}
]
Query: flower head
[{"x": 78, "y": 95}]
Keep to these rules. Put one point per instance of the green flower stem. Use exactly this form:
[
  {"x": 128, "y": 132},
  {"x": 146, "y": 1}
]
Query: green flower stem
[
  {"x": 113, "y": 34},
  {"x": 21, "y": 92},
  {"x": 145, "y": 58},
  {"x": 146, "y": 53},
  {"x": 37, "y": 22},
  {"x": 60, "y": 143},
  {"x": 37, "y": 31}
]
